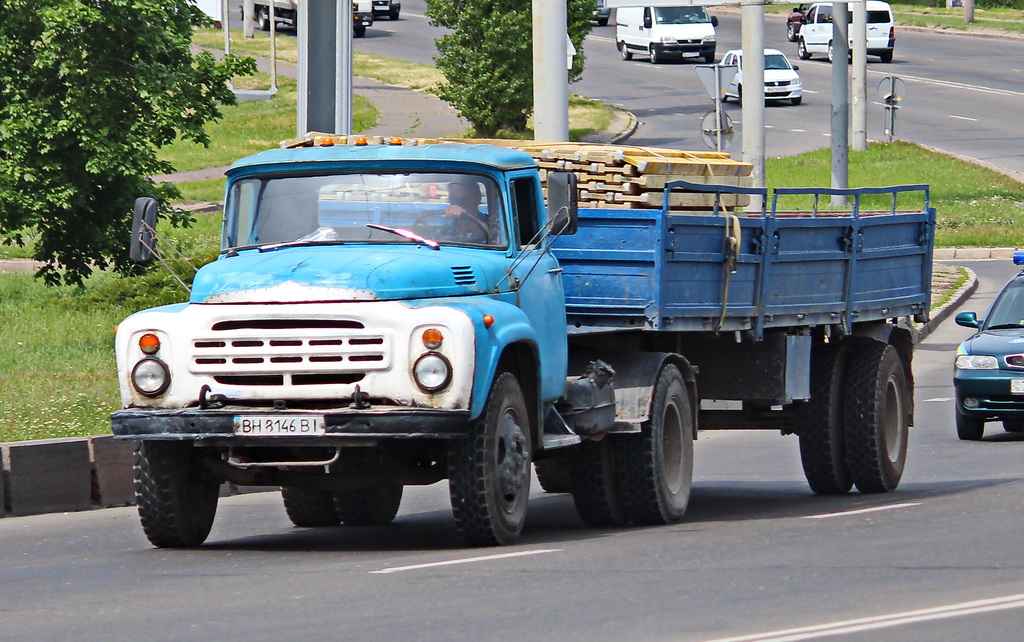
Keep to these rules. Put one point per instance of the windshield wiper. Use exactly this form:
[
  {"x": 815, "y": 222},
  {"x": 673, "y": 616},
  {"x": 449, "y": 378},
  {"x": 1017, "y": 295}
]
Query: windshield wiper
[
  {"x": 300, "y": 242},
  {"x": 406, "y": 234},
  {"x": 1005, "y": 326}
]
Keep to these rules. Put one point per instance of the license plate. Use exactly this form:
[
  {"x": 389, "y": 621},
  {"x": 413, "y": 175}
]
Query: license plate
[
  {"x": 280, "y": 425},
  {"x": 1017, "y": 386}
]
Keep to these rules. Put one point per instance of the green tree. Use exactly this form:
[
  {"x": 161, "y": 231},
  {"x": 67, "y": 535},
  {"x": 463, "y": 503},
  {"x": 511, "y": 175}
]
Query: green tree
[
  {"x": 487, "y": 60},
  {"x": 89, "y": 91}
]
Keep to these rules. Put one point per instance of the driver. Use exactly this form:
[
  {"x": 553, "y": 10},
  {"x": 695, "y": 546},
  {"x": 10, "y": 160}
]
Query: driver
[{"x": 467, "y": 222}]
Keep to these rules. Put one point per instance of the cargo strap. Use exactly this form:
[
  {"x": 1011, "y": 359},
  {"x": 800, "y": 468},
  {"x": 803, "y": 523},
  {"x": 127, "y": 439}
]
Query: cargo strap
[{"x": 730, "y": 254}]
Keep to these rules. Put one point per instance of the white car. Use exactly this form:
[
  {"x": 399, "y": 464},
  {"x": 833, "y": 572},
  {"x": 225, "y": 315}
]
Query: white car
[{"x": 781, "y": 82}]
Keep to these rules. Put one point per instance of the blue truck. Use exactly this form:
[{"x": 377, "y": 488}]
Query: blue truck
[{"x": 385, "y": 315}]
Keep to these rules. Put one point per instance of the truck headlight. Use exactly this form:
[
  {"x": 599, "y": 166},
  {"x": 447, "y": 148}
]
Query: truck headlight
[
  {"x": 151, "y": 376},
  {"x": 710, "y": 38},
  {"x": 976, "y": 362},
  {"x": 432, "y": 372}
]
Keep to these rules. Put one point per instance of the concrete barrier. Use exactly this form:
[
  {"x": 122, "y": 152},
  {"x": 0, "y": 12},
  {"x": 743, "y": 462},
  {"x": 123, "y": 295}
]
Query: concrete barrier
[
  {"x": 47, "y": 476},
  {"x": 112, "y": 480}
]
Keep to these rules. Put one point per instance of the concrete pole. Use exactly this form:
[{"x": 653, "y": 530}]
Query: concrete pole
[
  {"x": 752, "y": 37},
  {"x": 840, "y": 99},
  {"x": 550, "y": 78},
  {"x": 248, "y": 28},
  {"x": 343, "y": 68},
  {"x": 859, "y": 88},
  {"x": 968, "y": 11}
]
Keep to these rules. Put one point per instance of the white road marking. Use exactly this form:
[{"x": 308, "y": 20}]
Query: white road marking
[
  {"x": 466, "y": 560},
  {"x": 798, "y": 130},
  {"x": 861, "y": 511},
  {"x": 876, "y": 622},
  {"x": 940, "y": 399},
  {"x": 973, "y": 120}
]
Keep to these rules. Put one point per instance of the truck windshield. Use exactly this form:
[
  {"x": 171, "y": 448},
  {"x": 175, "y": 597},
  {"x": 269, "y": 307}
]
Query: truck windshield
[
  {"x": 453, "y": 209},
  {"x": 680, "y": 15}
]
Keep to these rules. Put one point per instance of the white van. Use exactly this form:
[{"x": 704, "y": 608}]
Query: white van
[
  {"x": 816, "y": 31},
  {"x": 663, "y": 32}
]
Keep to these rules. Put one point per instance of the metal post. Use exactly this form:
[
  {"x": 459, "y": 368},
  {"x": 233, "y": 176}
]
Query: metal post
[
  {"x": 718, "y": 107},
  {"x": 840, "y": 100},
  {"x": 248, "y": 29},
  {"x": 550, "y": 79},
  {"x": 859, "y": 87},
  {"x": 752, "y": 15},
  {"x": 320, "y": 94},
  {"x": 343, "y": 68}
]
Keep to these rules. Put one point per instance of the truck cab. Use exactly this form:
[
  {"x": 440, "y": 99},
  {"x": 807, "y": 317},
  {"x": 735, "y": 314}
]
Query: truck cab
[{"x": 366, "y": 303}]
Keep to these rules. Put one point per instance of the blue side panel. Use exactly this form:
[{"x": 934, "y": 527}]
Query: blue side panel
[
  {"x": 652, "y": 270},
  {"x": 611, "y": 266}
]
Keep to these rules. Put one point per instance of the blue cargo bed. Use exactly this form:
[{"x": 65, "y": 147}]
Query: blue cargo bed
[{"x": 655, "y": 270}]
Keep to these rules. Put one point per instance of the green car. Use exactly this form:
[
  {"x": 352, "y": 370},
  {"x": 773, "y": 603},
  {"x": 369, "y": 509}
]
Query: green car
[{"x": 988, "y": 374}]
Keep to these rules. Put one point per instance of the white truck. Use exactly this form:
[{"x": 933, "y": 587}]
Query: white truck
[{"x": 286, "y": 12}]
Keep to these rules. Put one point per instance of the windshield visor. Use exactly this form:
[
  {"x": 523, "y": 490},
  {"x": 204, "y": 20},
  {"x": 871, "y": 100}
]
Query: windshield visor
[{"x": 453, "y": 209}]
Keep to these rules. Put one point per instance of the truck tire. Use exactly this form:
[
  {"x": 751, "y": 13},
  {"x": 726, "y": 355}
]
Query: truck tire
[
  {"x": 822, "y": 439},
  {"x": 359, "y": 31},
  {"x": 554, "y": 475},
  {"x": 368, "y": 506},
  {"x": 489, "y": 469},
  {"x": 595, "y": 488},
  {"x": 625, "y": 52},
  {"x": 877, "y": 414},
  {"x": 393, "y": 14},
  {"x": 654, "y": 55},
  {"x": 310, "y": 508},
  {"x": 263, "y": 18},
  {"x": 656, "y": 465},
  {"x": 177, "y": 500}
]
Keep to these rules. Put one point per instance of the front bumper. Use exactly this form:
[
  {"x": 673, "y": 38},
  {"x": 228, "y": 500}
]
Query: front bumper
[
  {"x": 685, "y": 48},
  {"x": 991, "y": 389},
  {"x": 195, "y": 424}
]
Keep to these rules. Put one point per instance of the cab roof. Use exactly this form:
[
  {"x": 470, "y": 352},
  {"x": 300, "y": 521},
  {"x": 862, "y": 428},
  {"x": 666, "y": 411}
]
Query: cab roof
[{"x": 502, "y": 158}]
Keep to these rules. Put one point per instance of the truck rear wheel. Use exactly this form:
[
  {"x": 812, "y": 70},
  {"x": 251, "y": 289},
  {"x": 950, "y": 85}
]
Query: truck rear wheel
[
  {"x": 368, "y": 506},
  {"x": 595, "y": 488},
  {"x": 554, "y": 475},
  {"x": 877, "y": 413},
  {"x": 822, "y": 442},
  {"x": 656, "y": 465},
  {"x": 310, "y": 508},
  {"x": 177, "y": 500},
  {"x": 489, "y": 469}
]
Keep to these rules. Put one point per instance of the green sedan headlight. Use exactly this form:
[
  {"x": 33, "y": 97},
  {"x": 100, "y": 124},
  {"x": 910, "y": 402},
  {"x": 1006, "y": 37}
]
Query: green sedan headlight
[{"x": 976, "y": 362}]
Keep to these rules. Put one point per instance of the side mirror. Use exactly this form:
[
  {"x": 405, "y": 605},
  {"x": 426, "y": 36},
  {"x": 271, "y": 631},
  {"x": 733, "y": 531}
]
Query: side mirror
[
  {"x": 796, "y": 67},
  {"x": 143, "y": 230},
  {"x": 714, "y": 21},
  {"x": 562, "y": 203},
  {"x": 647, "y": 18},
  {"x": 968, "y": 320}
]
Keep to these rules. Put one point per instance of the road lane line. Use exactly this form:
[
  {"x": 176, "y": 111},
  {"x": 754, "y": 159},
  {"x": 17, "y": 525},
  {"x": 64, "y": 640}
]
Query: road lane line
[
  {"x": 973, "y": 120},
  {"x": 844, "y": 627},
  {"x": 466, "y": 560},
  {"x": 939, "y": 399},
  {"x": 861, "y": 511}
]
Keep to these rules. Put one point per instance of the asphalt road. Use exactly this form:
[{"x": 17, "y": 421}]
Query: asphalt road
[
  {"x": 757, "y": 553},
  {"x": 957, "y": 98}
]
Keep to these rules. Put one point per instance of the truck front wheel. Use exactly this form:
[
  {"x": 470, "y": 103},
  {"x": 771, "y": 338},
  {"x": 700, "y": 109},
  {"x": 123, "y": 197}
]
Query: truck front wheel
[
  {"x": 359, "y": 31},
  {"x": 877, "y": 412},
  {"x": 176, "y": 498},
  {"x": 656, "y": 465},
  {"x": 310, "y": 508},
  {"x": 489, "y": 469},
  {"x": 368, "y": 506},
  {"x": 822, "y": 445}
]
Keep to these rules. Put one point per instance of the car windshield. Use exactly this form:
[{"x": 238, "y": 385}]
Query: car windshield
[
  {"x": 776, "y": 61},
  {"x": 453, "y": 209},
  {"x": 680, "y": 15},
  {"x": 1008, "y": 310}
]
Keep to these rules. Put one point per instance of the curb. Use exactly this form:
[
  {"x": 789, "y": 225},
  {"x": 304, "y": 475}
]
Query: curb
[{"x": 944, "y": 311}]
